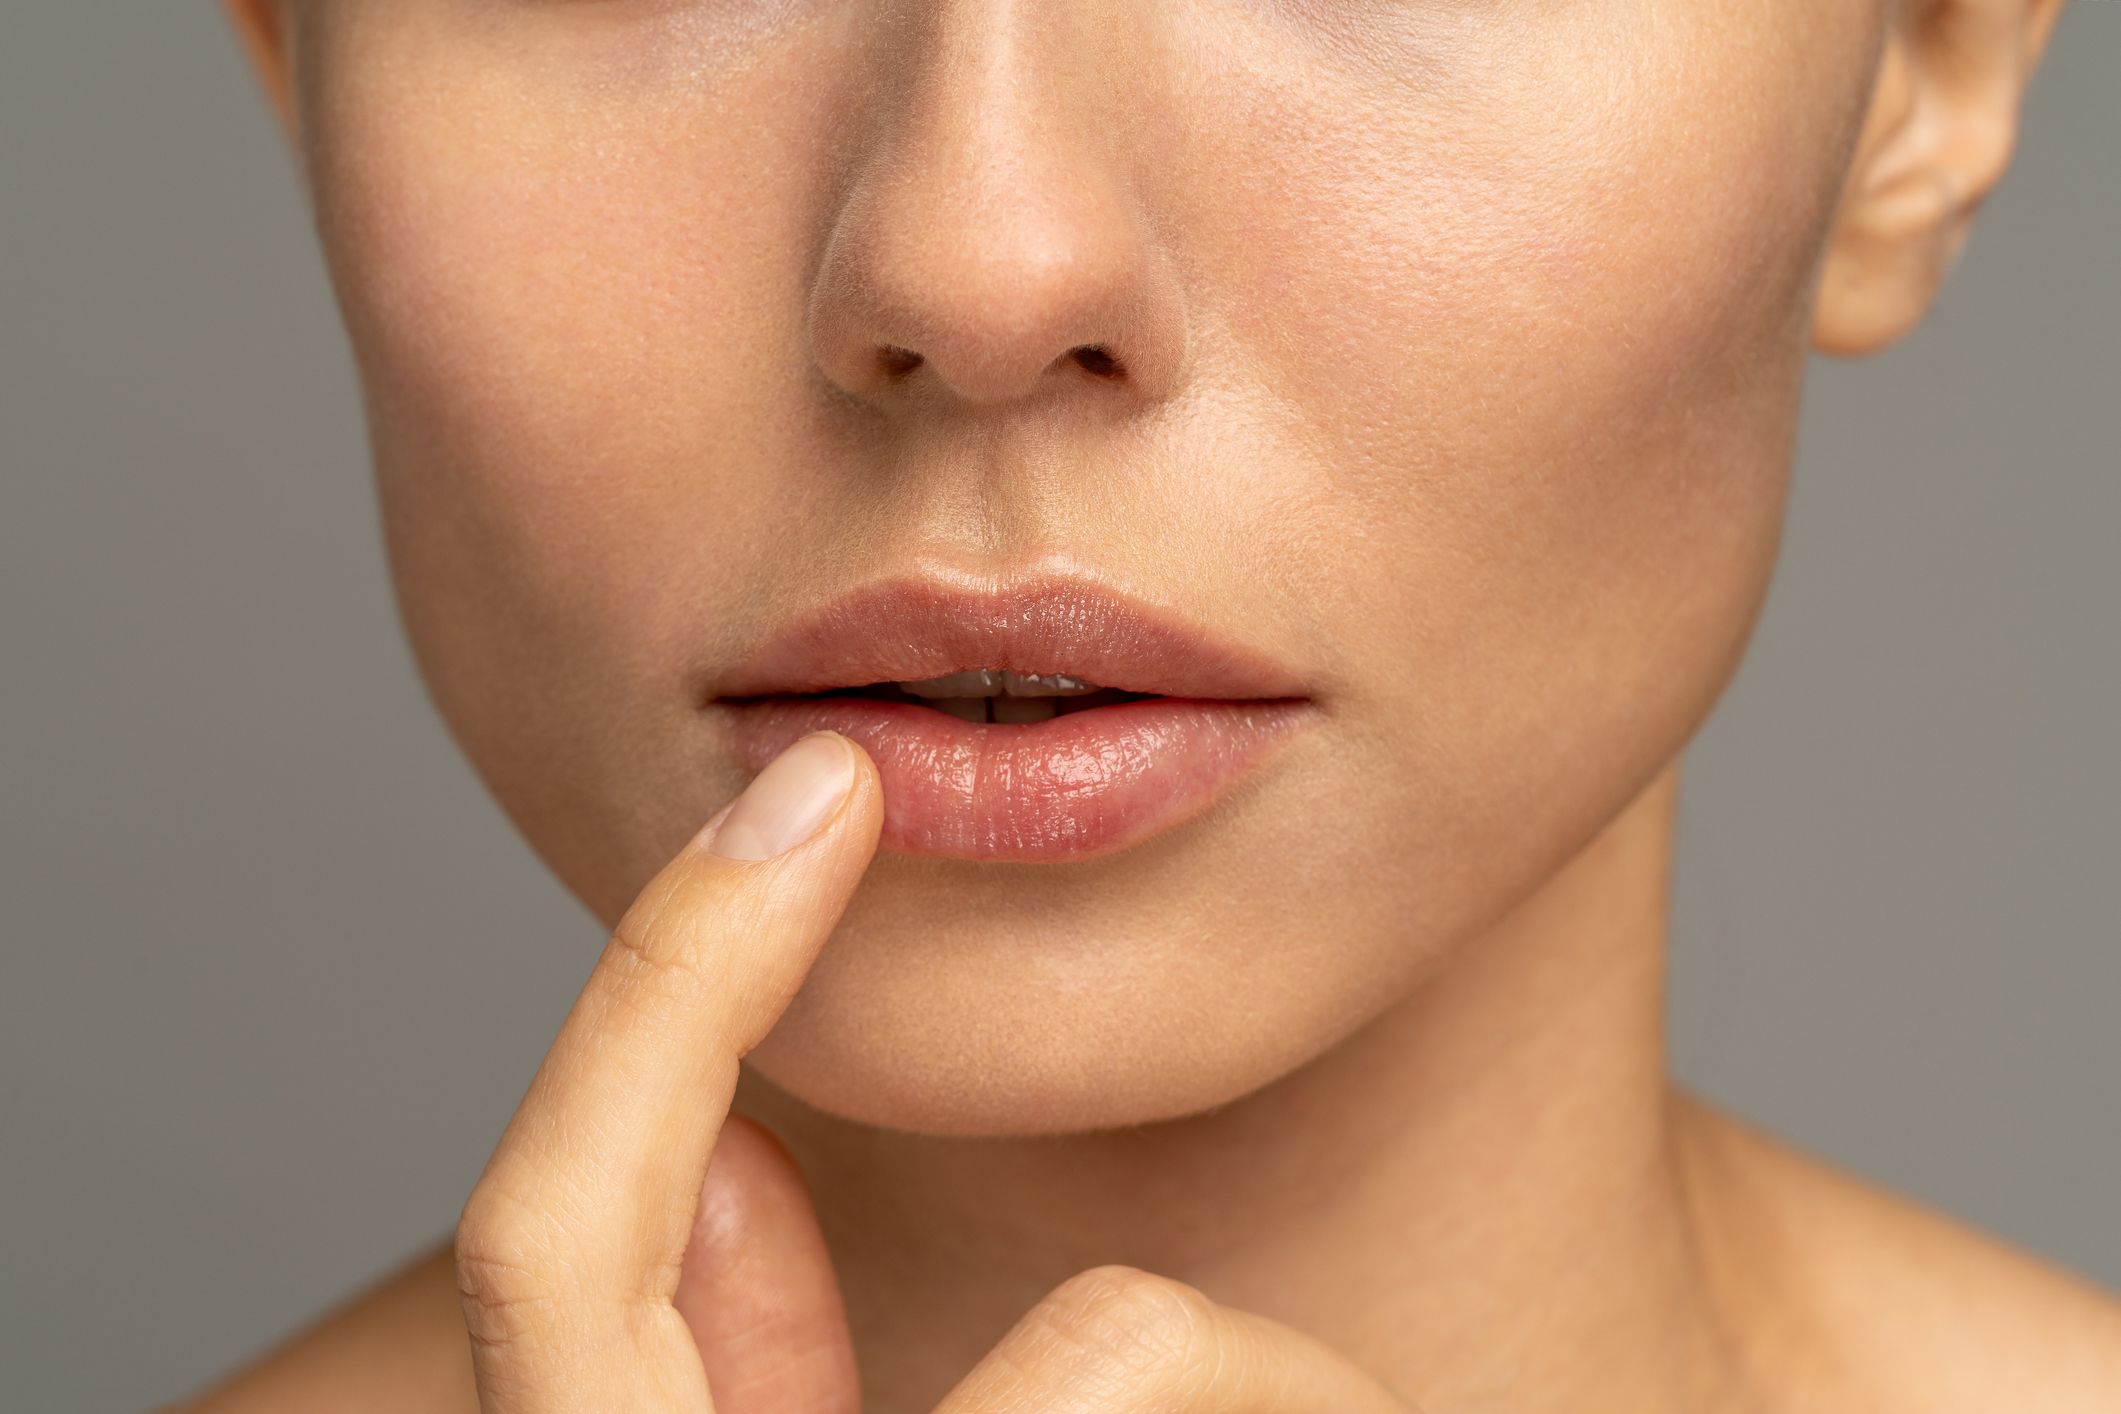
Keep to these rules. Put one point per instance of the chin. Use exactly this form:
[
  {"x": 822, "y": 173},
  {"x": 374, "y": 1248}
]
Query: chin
[
  {"x": 963, "y": 1069},
  {"x": 969, "y": 1001}
]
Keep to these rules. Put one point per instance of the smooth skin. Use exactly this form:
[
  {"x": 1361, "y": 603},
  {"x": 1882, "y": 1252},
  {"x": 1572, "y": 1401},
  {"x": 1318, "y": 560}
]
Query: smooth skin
[{"x": 1459, "y": 346}]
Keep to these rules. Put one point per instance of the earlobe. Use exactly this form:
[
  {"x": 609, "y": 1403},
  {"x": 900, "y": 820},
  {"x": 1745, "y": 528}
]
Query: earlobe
[
  {"x": 1938, "y": 137},
  {"x": 261, "y": 28}
]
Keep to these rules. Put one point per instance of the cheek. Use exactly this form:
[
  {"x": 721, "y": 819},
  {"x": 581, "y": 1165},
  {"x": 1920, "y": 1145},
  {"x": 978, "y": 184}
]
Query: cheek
[
  {"x": 513, "y": 293},
  {"x": 563, "y": 255},
  {"x": 1534, "y": 326},
  {"x": 1568, "y": 237},
  {"x": 1537, "y": 319},
  {"x": 561, "y": 265}
]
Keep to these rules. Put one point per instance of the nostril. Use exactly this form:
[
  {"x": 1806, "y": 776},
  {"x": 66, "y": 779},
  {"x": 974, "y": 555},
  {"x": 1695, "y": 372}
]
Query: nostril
[
  {"x": 897, "y": 361},
  {"x": 1094, "y": 358}
]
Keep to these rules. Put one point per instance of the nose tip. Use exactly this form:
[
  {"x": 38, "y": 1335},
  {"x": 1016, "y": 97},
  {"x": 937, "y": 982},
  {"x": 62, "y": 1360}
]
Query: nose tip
[
  {"x": 989, "y": 251},
  {"x": 919, "y": 304}
]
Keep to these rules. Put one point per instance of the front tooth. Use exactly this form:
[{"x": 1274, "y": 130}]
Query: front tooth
[
  {"x": 980, "y": 682},
  {"x": 1045, "y": 685},
  {"x": 987, "y": 682}
]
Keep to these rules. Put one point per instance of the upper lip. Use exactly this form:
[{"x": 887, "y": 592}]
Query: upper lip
[{"x": 910, "y": 628}]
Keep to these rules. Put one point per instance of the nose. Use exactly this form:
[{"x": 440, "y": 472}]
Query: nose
[{"x": 990, "y": 245}]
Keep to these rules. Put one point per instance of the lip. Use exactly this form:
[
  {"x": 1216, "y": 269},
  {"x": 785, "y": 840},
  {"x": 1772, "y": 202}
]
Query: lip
[{"x": 1079, "y": 784}]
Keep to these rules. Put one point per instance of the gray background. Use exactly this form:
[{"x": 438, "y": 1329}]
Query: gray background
[{"x": 276, "y": 970}]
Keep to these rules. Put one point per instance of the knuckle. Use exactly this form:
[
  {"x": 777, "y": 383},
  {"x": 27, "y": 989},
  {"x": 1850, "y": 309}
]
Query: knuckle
[
  {"x": 644, "y": 955},
  {"x": 1118, "y": 1326},
  {"x": 508, "y": 1265}
]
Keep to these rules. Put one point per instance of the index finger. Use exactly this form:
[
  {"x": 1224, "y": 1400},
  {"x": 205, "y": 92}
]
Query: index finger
[{"x": 570, "y": 1246}]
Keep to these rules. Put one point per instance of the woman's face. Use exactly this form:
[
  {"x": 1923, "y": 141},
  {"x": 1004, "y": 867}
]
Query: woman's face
[{"x": 1461, "y": 344}]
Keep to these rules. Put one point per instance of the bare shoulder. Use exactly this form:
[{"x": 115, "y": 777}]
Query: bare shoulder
[
  {"x": 1858, "y": 1297},
  {"x": 398, "y": 1346}
]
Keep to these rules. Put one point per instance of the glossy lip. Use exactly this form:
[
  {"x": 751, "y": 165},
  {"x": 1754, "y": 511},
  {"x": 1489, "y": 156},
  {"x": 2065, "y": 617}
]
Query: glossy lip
[
  {"x": 907, "y": 629},
  {"x": 1079, "y": 784}
]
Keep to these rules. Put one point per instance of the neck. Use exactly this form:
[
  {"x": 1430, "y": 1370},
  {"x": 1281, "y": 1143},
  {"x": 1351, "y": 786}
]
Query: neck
[{"x": 1478, "y": 1197}]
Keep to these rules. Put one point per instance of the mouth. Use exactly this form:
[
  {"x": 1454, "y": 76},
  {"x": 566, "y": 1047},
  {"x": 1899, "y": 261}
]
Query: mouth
[
  {"x": 1051, "y": 721},
  {"x": 994, "y": 695}
]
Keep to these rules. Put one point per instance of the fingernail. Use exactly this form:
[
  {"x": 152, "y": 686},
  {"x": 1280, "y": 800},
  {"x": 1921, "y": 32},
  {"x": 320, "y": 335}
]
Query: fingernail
[{"x": 786, "y": 802}]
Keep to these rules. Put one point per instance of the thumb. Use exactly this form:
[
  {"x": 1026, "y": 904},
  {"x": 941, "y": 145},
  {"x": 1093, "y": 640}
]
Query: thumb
[{"x": 757, "y": 1288}]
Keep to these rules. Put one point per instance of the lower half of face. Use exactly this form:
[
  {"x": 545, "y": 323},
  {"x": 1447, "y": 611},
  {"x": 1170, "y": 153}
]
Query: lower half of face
[{"x": 1491, "y": 323}]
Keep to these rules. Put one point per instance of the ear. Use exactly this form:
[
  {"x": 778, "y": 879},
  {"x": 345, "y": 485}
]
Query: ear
[
  {"x": 262, "y": 29},
  {"x": 1940, "y": 131}
]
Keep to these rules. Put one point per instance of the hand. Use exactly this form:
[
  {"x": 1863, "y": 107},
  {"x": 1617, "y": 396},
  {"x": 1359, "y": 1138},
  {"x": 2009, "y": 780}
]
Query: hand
[
  {"x": 630, "y": 1244},
  {"x": 759, "y": 1294},
  {"x": 571, "y": 1246},
  {"x": 1119, "y": 1340}
]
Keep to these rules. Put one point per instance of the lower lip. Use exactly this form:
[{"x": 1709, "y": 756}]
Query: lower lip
[{"x": 1072, "y": 786}]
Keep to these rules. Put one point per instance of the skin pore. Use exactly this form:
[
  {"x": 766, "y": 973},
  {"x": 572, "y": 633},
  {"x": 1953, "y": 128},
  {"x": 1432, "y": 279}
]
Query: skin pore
[{"x": 1462, "y": 345}]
